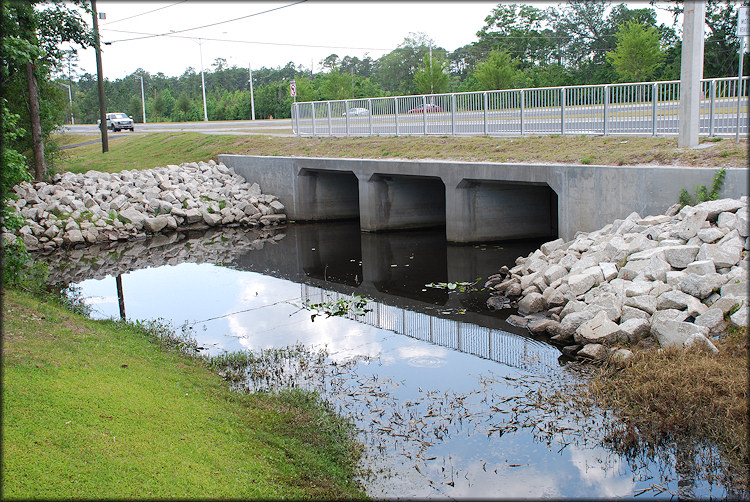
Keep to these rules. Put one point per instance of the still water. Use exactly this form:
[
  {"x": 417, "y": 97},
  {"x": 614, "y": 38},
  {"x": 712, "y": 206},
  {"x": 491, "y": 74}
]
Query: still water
[{"x": 444, "y": 393}]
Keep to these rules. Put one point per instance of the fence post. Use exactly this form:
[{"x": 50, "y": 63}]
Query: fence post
[
  {"x": 712, "y": 110},
  {"x": 395, "y": 104},
  {"x": 522, "y": 111},
  {"x": 312, "y": 113},
  {"x": 424, "y": 115},
  {"x": 484, "y": 102},
  {"x": 562, "y": 111},
  {"x": 346, "y": 114},
  {"x": 453, "y": 116},
  {"x": 369, "y": 109},
  {"x": 655, "y": 103},
  {"x": 296, "y": 118},
  {"x": 330, "y": 126},
  {"x": 606, "y": 109}
]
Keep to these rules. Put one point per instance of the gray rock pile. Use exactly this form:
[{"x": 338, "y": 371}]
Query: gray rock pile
[
  {"x": 99, "y": 207},
  {"x": 676, "y": 279}
]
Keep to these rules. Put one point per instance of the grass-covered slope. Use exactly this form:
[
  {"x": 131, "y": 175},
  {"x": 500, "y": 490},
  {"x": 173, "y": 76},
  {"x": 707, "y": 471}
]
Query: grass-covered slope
[{"x": 97, "y": 409}]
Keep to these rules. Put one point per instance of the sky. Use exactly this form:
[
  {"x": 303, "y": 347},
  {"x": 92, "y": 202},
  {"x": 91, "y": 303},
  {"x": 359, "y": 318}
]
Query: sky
[{"x": 271, "y": 34}]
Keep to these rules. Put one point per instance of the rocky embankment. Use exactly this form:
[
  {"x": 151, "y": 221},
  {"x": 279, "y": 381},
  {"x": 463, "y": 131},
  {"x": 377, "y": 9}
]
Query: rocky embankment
[
  {"x": 100, "y": 207},
  {"x": 677, "y": 279}
]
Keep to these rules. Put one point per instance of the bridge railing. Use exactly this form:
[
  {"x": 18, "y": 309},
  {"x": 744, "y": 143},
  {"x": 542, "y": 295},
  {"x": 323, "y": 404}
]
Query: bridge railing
[{"x": 642, "y": 108}]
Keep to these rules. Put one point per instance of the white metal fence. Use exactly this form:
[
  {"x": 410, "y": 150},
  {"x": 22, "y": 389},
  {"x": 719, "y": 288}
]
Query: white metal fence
[{"x": 645, "y": 108}]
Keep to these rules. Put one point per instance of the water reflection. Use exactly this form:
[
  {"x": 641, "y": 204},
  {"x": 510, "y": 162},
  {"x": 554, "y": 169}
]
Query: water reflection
[{"x": 445, "y": 402}]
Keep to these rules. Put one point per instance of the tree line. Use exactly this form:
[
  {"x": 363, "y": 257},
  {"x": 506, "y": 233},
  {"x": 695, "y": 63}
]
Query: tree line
[{"x": 579, "y": 42}]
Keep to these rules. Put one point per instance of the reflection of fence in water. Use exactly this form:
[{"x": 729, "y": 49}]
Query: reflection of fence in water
[{"x": 488, "y": 343}]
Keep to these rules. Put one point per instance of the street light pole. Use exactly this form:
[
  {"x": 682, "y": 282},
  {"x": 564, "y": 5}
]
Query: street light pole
[
  {"x": 143, "y": 99},
  {"x": 203, "y": 82},
  {"x": 70, "y": 97},
  {"x": 252, "y": 100}
]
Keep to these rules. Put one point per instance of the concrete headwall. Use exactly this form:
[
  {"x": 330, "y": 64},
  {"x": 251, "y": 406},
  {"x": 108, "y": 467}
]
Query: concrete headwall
[{"x": 479, "y": 201}]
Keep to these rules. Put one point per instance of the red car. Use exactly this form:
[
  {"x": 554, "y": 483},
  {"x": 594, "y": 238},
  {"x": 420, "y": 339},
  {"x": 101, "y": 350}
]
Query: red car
[{"x": 429, "y": 107}]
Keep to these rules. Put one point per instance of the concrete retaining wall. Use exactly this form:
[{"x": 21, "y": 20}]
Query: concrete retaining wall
[{"x": 481, "y": 201}]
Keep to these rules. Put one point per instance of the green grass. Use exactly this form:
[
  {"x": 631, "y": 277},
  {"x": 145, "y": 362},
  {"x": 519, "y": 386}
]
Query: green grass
[
  {"x": 145, "y": 151},
  {"x": 96, "y": 409}
]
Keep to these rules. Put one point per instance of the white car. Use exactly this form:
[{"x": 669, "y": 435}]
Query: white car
[
  {"x": 117, "y": 121},
  {"x": 356, "y": 112}
]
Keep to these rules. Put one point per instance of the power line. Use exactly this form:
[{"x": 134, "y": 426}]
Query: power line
[
  {"x": 143, "y": 13},
  {"x": 209, "y": 25},
  {"x": 244, "y": 41}
]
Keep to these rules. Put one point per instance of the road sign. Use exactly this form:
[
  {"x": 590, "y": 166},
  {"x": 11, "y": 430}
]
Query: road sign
[
  {"x": 743, "y": 22},
  {"x": 293, "y": 88}
]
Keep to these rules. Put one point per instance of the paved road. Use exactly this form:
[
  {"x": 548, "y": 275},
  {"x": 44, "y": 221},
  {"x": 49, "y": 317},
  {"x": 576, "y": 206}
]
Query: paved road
[{"x": 282, "y": 127}]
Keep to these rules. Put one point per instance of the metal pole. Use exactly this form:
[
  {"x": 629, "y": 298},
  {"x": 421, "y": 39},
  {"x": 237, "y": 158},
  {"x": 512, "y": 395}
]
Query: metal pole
[
  {"x": 330, "y": 127},
  {"x": 739, "y": 89},
  {"x": 424, "y": 115},
  {"x": 312, "y": 112},
  {"x": 369, "y": 109},
  {"x": 712, "y": 109},
  {"x": 395, "y": 104},
  {"x": 252, "y": 98},
  {"x": 606, "y": 109},
  {"x": 346, "y": 114},
  {"x": 143, "y": 99},
  {"x": 522, "y": 111},
  {"x": 562, "y": 111},
  {"x": 655, "y": 101},
  {"x": 484, "y": 105},
  {"x": 296, "y": 118},
  {"x": 203, "y": 82},
  {"x": 453, "y": 116},
  {"x": 100, "y": 79},
  {"x": 72, "y": 117}
]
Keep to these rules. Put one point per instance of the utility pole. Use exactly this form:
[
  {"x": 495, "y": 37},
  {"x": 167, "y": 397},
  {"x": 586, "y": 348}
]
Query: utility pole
[
  {"x": 432, "y": 91},
  {"x": 203, "y": 82},
  {"x": 691, "y": 73},
  {"x": 143, "y": 99},
  {"x": 252, "y": 99},
  {"x": 100, "y": 75}
]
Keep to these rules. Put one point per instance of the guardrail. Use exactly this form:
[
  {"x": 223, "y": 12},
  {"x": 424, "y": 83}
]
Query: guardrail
[{"x": 643, "y": 108}]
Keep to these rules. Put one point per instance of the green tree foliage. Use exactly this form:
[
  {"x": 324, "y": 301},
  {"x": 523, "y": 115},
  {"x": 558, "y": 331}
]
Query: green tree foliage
[
  {"x": 721, "y": 46},
  {"x": 499, "y": 71},
  {"x": 563, "y": 45},
  {"x": 158, "y": 105},
  {"x": 431, "y": 77},
  {"x": 521, "y": 31},
  {"x": 33, "y": 36},
  {"x": 183, "y": 105},
  {"x": 395, "y": 71},
  {"x": 638, "y": 54},
  {"x": 336, "y": 85}
]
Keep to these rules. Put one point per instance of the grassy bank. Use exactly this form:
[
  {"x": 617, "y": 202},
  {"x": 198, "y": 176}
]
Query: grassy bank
[
  {"x": 144, "y": 151},
  {"x": 97, "y": 409}
]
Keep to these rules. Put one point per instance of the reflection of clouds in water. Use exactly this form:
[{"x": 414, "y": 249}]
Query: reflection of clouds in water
[
  {"x": 485, "y": 483},
  {"x": 98, "y": 300},
  {"x": 601, "y": 470},
  {"x": 423, "y": 356},
  {"x": 343, "y": 338},
  {"x": 252, "y": 289}
]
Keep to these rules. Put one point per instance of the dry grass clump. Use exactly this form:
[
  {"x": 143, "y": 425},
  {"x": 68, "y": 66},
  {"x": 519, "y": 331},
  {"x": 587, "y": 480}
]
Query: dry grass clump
[{"x": 671, "y": 394}]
